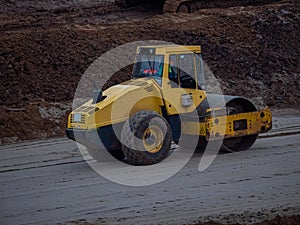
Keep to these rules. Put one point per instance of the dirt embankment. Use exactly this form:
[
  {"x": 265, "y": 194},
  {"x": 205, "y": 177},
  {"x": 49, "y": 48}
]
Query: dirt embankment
[{"x": 254, "y": 51}]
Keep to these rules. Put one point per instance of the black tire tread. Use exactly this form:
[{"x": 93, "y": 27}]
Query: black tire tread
[{"x": 133, "y": 126}]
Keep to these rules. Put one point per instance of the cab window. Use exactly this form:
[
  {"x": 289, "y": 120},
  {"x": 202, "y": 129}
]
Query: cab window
[
  {"x": 200, "y": 72},
  {"x": 148, "y": 65},
  {"x": 186, "y": 64},
  {"x": 173, "y": 71}
]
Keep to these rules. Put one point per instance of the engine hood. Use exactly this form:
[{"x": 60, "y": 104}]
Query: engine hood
[{"x": 118, "y": 103}]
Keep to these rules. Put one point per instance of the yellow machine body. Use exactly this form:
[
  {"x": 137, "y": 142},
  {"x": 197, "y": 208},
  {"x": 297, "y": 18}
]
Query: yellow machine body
[
  {"x": 213, "y": 127},
  {"x": 121, "y": 101},
  {"x": 171, "y": 95}
]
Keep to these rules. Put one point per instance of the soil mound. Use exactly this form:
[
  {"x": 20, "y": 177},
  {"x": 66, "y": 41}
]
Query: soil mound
[{"x": 254, "y": 51}]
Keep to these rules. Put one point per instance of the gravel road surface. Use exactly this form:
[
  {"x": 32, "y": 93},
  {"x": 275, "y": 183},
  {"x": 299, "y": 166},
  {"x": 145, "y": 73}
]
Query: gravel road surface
[{"x": 48, "y": 182}]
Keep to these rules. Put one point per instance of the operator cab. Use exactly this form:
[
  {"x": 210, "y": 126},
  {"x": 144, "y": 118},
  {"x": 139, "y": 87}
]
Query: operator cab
[{"x": 181, "y": 66}]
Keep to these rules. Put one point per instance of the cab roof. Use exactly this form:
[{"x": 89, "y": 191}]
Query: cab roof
[{"x": 171, "y": 49}]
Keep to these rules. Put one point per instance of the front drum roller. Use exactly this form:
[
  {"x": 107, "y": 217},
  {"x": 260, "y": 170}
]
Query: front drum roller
[{"x": 239, "y": 105}]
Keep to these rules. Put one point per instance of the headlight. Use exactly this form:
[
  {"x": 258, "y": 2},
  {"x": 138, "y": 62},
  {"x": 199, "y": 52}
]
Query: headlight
[{"x": 77, "y": 118}]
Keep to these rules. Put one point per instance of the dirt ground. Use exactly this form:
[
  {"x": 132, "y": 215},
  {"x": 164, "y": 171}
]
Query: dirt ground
[
  {"x": 279, "y": 220},
  {"x": 45, "y": 49},
  {"x": 49, "y": 182}
]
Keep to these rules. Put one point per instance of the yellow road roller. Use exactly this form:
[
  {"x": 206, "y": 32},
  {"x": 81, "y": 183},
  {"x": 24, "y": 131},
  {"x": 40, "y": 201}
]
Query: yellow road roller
[{"x": 165, "y": 101}]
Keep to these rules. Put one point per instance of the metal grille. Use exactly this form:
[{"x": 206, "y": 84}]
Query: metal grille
[
  {"x": 149, "y": 89},
  {"x": 82, "y": 119}
]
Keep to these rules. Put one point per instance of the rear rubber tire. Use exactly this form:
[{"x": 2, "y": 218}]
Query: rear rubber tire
[{"x": 133, "y": 138}]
